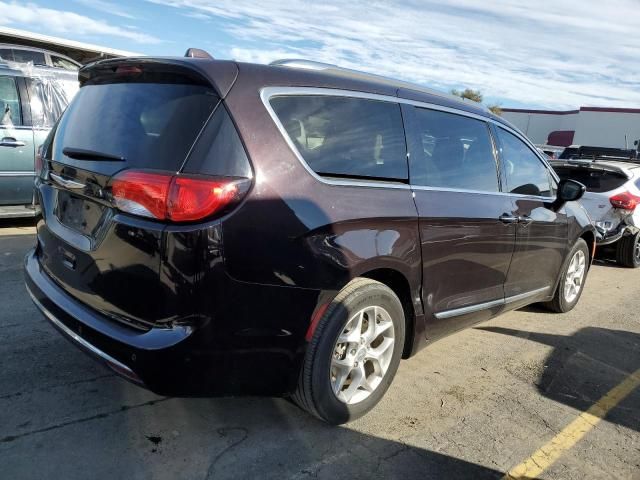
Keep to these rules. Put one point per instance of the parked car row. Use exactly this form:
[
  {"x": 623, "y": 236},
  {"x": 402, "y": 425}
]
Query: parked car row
[{"x": 212, "y": 227}]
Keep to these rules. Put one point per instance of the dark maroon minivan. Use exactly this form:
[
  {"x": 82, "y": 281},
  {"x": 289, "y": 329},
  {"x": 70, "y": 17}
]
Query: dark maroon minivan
[{"x": 212, "y": 227}]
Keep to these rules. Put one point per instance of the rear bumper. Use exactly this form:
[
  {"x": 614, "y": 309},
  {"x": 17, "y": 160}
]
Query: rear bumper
[
  {"x": 616, "y": 234},
  {"x": 185, "y": 360},
  {"x": 148, "y": 358},
  {"x": 91, "y": 349}
]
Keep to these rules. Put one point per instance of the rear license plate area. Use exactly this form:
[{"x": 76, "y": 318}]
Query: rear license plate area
[{"x": 79, "y": 213}]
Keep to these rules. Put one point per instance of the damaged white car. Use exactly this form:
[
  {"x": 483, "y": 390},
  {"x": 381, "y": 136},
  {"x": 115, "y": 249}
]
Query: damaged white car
[{"x": 612, "y": 200}]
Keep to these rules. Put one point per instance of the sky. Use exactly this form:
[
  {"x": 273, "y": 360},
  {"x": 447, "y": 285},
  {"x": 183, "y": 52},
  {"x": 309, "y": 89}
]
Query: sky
[{"x": 556, "y": 54}]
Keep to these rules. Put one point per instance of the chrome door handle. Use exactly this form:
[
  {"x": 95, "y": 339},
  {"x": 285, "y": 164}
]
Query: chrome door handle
[
  {"x": 525, "y": 220},
  {"x": 508, "y": 219},
  {"x": 63, "y": 182},
  {"x": 11, "y": 142}
]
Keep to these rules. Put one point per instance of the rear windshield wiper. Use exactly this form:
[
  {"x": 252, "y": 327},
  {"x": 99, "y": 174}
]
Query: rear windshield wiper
[{"x": 84, "y": 154}]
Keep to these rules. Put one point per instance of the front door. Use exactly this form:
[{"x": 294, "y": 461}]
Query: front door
[
  {"x": 541, "y": 234},
  {"x": 466, "y": 227},
  {"x": 16, "y": 146}
]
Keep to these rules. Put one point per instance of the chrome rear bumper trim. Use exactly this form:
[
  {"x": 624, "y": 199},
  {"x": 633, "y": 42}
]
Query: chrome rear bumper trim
[{"x": 78, "y": 339}]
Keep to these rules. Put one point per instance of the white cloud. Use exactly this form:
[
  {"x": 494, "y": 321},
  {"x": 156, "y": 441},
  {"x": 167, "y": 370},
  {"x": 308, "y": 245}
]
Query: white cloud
[
  {"x": 561, "y": 53},
  {"x": 65, "y": 22},
  {"x": 107, "y": 7}
]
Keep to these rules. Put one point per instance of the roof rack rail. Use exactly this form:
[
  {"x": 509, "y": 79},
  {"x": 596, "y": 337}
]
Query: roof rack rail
[{"x": 359, "y": 75}]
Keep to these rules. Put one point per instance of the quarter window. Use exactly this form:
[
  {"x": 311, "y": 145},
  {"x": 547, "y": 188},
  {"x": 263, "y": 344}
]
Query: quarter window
[
  {"x": 60, "y": 62},
  {"x": 9, "y": 103},
  {"x": 453, "y": 152},
  {"x": 525, "y": 172},
  {"x": 344, "y": 136}
]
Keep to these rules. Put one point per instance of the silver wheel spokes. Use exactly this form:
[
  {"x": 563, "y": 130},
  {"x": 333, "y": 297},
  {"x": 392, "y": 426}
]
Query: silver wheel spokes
[
  {"x": 575, "y": 276},
  {"x": 362, "y": 354}
]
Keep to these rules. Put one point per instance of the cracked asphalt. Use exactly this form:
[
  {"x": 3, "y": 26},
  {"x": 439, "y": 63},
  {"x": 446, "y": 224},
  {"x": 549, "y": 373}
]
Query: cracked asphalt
[{"x": 470, "y": 406}]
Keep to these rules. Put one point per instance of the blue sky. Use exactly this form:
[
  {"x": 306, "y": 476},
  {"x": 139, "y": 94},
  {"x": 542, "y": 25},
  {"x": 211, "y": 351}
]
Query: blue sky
[{"x": 544, "y": 54}]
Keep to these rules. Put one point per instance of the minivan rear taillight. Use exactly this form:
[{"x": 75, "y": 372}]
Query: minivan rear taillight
[
  {"x": 179, "y": 198},
  {"x": 625, "y": 201}
]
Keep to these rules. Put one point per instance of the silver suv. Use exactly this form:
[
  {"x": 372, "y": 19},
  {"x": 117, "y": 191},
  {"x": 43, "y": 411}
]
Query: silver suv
[{"x": 612, "y": 199}]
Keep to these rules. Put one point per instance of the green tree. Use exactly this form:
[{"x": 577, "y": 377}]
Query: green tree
[
  {"x": 496, "y": 109},
  {"x": 469, "y": 94},
  {"x": 476, "y": 96}
]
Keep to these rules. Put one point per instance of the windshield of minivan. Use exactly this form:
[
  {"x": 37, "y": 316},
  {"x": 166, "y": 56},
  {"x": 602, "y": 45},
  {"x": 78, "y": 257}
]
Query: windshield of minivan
[{"x": 150, "y": 125}]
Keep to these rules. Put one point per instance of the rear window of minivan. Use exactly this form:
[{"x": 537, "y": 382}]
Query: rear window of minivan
[
  {"x": 150, "y": 125},
  {"x": 596, "y": 180},
  {"x": 345, "y": 137}
]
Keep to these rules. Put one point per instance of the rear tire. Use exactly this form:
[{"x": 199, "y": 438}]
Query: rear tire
[
  {"x": 628, "y": 251},
  {"x": 342, "y": 380},
  {"x": 574, "y": 274}
]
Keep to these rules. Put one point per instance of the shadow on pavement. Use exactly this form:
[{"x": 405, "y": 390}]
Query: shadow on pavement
[
  {"x": 18, "y": 222},
  {"x": 584, "y": 366},
  {"x": 227, "y": 438}
]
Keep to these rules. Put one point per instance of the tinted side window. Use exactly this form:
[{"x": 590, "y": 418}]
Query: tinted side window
[
  {"x": 6, "y": 54},
  {"x": 525, "y": 172},
  {"x": 60, "y": 62},
  {"x": 346, "y": 137},
  {"x": 9, "y": 102},
  {"x": 28, "y": 56},
  {"x": 454, "y": 152}
]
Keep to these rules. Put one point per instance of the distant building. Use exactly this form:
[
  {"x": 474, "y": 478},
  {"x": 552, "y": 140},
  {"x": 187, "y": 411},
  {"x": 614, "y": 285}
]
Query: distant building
[
  {"x": 594, "y": 126},
  {"x": 78, "y": 51}
]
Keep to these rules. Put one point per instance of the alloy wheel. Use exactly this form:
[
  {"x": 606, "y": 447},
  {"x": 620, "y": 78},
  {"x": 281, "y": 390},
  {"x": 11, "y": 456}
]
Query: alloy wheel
[
  {"x": 575, "y": 276},
  {"x": 362, "y": 354}
]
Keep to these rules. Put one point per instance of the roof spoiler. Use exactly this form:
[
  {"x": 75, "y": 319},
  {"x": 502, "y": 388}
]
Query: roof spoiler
[{"x": 197, "y": 53}]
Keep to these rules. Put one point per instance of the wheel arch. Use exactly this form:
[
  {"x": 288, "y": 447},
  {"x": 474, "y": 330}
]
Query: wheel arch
[
  {"x": 590, "y": 237},
  {"x": 399, "y": 284}
]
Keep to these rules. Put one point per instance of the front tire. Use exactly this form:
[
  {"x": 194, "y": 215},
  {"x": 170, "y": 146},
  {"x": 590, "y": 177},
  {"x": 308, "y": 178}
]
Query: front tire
[
  {"x": 574, "y": 274},
  {"x": 354, "y": 353},
  {"x": 628, "y": 251}
]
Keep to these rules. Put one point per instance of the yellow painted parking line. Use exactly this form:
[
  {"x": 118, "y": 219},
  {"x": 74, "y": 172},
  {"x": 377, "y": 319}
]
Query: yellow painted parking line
[{"x": 547, "y": 455}]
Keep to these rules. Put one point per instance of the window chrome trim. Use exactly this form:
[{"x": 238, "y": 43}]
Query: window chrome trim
[
  {"x": 266, "y": 93},
  {"x": 456, "y": 312},
  {"x": 480, "y": 192},
  {"x": 16, "y": 127},
  {"x": 17, "y": 174}
]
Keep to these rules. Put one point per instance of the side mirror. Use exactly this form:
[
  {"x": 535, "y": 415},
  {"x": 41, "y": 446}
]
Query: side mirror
[{"x": 570, "y": 191}]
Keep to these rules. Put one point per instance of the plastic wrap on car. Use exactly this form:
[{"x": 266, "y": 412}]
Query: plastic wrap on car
[{"x": 50, "y": 91}]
